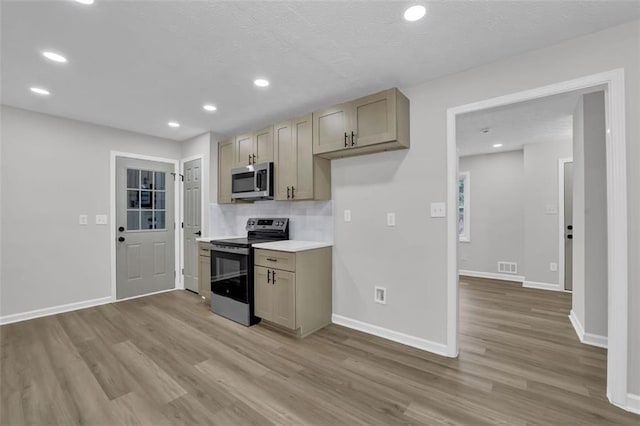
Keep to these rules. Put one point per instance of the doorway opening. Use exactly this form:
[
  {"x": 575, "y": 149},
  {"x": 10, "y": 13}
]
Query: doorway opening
[{"x": 616, "y": 216}]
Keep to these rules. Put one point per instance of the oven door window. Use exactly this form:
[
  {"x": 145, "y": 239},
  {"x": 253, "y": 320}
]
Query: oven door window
[
  {"x": 243, "y": 182},
  {"x": 229, "y": 275}
]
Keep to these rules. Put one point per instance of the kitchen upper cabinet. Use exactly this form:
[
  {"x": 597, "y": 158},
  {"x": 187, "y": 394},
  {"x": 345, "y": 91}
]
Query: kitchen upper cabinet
[
  {"x": 299, "y": 175},
  {"x": 331, "y": 128},
  {"x": 293, "y": 290},
  {"x": 254, "y": 148},
  {"x": 244, "y": 150},
  {"x": 225, "y": 164},
  {"x": 375, "y": 123}
]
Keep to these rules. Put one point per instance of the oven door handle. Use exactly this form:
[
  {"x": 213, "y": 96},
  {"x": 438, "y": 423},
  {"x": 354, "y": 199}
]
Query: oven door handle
[{"x": 222, "y": 249}]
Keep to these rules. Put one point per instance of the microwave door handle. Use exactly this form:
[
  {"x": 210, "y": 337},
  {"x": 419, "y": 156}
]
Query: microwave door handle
[{"x": 258, "y": 181}]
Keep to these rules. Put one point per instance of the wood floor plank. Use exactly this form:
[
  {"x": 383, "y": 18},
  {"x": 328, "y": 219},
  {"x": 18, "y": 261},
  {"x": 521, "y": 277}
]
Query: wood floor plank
[{"x": 167, "y": 360}]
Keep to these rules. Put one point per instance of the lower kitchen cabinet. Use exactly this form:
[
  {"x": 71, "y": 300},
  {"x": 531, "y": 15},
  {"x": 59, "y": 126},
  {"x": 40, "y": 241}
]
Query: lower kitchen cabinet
[
  {"x": 204, "y": 271},
  {"x": 293, "y": 290}
]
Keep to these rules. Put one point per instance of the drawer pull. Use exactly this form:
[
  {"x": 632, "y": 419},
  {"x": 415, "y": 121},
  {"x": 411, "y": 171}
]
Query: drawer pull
[{"x": 271, "y": 259}]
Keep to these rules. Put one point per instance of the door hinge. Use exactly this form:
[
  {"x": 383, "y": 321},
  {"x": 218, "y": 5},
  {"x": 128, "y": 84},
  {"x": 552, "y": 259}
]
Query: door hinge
[
  {"x": 182, "y": 225},
  {"x": 182, "y": 271}
]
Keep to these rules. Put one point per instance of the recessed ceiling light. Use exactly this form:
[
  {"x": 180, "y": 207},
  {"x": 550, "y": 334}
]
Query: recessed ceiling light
[
  {"x": 87, "y": 2},
  {"x": 261, "y": 82},
  {"x": 173, "y": 124},
  {"x": 209, "y": 107},
  {"x": 40, "y": 91},
  {"x": 496, "y": 145},
  {"x": 55, "y": 57},
  {"x": 415, "y": 13}
]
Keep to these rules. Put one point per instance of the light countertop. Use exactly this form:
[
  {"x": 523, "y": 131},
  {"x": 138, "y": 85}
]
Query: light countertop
[
  {"x": 222, "y": 237},
  {"x": 292, "y": 246}
]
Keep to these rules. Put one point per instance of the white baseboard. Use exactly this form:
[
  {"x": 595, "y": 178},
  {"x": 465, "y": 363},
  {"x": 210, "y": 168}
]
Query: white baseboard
[
  {"x": 542, "y": 286},
  {"x": 45, "y": 312},
  {"x": 492, "y": 276},
  {"x": 587, "y": 338},
  {"x": 633, "y": 403},
  {"x": 23, "y": 316},
  {"x": 405, "y": 339}
]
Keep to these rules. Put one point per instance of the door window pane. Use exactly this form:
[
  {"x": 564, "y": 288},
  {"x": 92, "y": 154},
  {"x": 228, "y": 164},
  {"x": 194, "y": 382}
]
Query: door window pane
[
  {"x": 159, "y": 180},
  {"x": 146, "y": 179},
  {"x": 133, "y": 199},
  {"x": 145, "y": 200},
  {"x": 133, "y": 178},
  {"x": 133, "y": 220},
  {"x": 159, "y": 219},
  {"x": 146, "y": 219},
  {"x": 158, "y": 200}
]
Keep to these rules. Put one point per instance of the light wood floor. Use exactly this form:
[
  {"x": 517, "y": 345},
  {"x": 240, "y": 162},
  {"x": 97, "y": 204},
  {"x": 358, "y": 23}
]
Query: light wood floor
[{"x": 166, "y": 359}]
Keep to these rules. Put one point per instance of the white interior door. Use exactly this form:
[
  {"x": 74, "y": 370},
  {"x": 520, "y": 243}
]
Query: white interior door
[
  {"x": 192, "y": 221},
  {"x": 145, "y": 241}
]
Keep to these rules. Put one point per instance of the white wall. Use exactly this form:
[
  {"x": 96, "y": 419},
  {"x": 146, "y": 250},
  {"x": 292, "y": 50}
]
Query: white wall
[
  {"x": 590, "y": 216},
  {"x": 541, "y": 228},
  {"x": 54, "y": 169},
  {"x": 410, "y": 259},
  {"x": 496, "y": 201}
]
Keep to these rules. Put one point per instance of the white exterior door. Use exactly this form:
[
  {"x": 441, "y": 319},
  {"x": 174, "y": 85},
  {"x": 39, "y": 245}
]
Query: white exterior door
[{"x": 145, "y": 241}]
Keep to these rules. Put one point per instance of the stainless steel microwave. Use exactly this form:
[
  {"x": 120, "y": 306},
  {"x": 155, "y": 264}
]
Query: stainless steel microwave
[{"x": 253, "y": 182}]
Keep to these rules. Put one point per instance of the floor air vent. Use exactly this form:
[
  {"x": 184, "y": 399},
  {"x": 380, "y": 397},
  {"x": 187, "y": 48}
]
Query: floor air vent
[{"x": 508, "y": 267}]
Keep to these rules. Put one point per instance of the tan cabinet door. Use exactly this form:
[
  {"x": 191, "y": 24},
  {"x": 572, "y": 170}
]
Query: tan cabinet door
[
  {"x": 284, "y": 298},
  {"x": 225, "y": 163},
  {"x": 204, "y": 277},
  {"x": 284, "y": 159},
  {"x": 375, "y": 118},
  {"x": 302, "y": 136},
  {"x": 263, "y": 145},
  {"x": 244, "y": 150},
  {"x": 332, "y": 128},
  {"x": 263, "y": 293}
]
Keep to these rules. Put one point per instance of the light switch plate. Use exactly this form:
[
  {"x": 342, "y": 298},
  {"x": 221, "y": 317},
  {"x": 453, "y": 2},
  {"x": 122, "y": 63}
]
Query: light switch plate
[
  {"x": 391, "y": 219},
  {"x": 83, "y": 219},
  {"x": 438, "y": 209},
  {"x": 553, "y": 267},
  {"x": 101, "y": 219},
  {"x": 347, "y": 215}
]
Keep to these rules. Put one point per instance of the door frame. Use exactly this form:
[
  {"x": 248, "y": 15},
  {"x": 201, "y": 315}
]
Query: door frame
[
  {"x": 112, "y": 212},
  {"x": 203, "y": 188},
  {"x": 617, "y": 279},
  {"x": 561, "y": 221}
]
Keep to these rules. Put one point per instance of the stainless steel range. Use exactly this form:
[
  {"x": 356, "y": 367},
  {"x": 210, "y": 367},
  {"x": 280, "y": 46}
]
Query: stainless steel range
[{"x": 232, "y": 269}]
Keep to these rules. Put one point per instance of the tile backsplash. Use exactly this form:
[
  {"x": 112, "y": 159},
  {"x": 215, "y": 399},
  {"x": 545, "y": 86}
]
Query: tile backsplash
[{"x": 308, "y": 220}]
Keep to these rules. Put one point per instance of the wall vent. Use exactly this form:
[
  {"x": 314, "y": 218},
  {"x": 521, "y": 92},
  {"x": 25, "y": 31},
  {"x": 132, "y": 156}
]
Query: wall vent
[
  {"x": 380, "y": 295},
  {"x": 508, "y": 267}
]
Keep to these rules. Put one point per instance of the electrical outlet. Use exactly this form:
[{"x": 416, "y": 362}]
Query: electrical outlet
[
  {"x": 83, "y": 219},
  {"x": 380, "y": 295},
  {"x": 553, "y": 266},
  {"x": 347, "y": 215},
  {"x": 101, "y": 219},
  {"x": 391, "y": 219},
  {"x": 438, "y": 209}
]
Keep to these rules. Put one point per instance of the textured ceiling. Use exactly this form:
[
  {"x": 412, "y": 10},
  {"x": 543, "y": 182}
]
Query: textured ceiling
[
  {"x": 136, "y": 65},
  {"x": 548, "y": 119}
]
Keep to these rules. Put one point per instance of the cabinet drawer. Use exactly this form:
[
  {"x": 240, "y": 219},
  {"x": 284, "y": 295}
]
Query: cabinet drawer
[
  {"x": 276, "y": 259},
  {"x": 204, "y": 250}
]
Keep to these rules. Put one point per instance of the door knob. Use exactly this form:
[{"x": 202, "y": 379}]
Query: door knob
[
  {"x": 570, "y": 237},
  {"x": 121, "y": 239},
  {"x": 199, "y": 233},
  {"x": 121, "y": 229}
]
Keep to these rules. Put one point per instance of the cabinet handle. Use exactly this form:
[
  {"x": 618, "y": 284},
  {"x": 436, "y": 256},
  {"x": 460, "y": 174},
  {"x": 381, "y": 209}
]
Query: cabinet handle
[
  {"x": 273, "y": 277},
  {"x": 249, "y": 158},
  {"x": 346, "y": 144},
  {"x": 293, "y": 194},
  {"x": 353, "y": 139},
  {"x": 254, "y": 159},
  {"x": 268, "y": 276},
  {"x": 271, "y": 259},
  {"x": 288, "y": 196}
]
